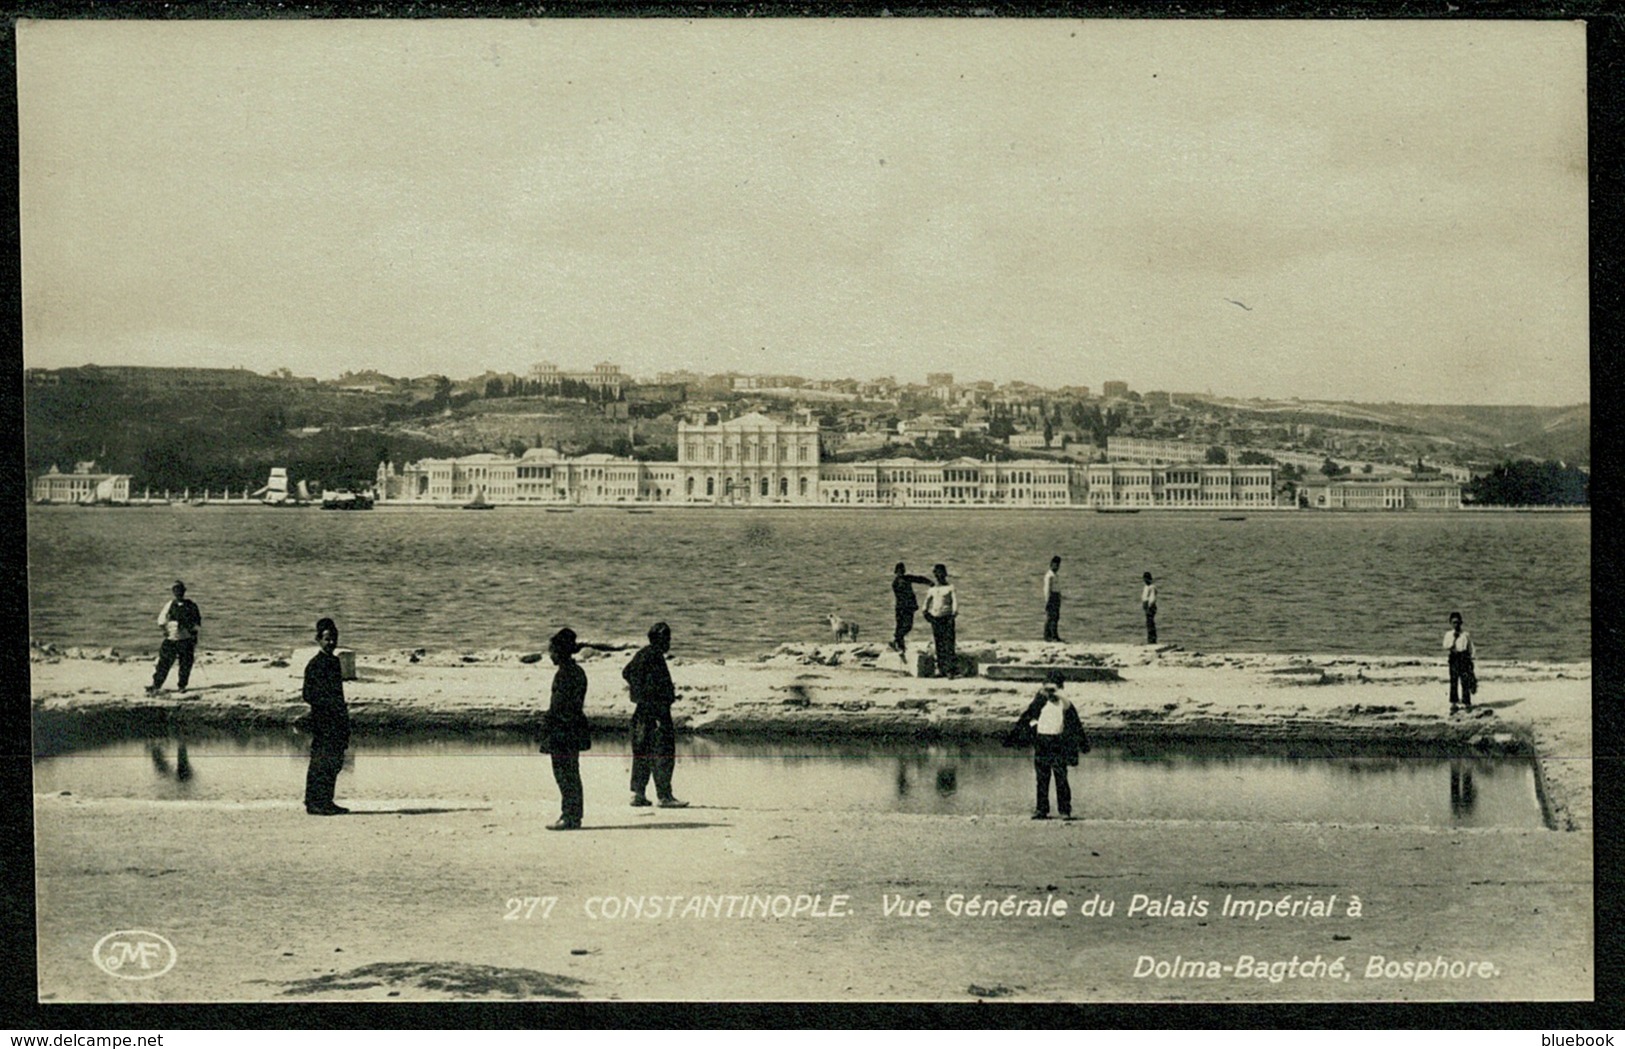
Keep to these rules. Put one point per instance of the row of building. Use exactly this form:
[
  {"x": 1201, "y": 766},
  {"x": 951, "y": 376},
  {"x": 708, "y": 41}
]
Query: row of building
[{"x": 754, "y": 460}]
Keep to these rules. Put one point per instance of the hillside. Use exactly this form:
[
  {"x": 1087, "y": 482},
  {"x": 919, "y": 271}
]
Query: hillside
[{"x": 178, "y": 428}]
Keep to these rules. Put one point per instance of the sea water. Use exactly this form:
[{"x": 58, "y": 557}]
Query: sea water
[{"x": 737, "y": 583}]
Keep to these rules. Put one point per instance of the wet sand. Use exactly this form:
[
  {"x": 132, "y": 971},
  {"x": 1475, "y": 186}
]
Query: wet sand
[{"x": 427, "y": 898}]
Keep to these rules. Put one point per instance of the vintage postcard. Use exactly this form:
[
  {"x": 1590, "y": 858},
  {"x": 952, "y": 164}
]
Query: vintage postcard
[{"x": 917, "y": 510}]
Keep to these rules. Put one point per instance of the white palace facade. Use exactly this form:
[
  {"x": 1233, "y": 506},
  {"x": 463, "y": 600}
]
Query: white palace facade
[{"x": 754, "y": 460}]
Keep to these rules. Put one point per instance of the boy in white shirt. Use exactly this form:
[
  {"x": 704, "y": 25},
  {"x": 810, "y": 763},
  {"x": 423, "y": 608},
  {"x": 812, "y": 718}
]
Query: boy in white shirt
[
  {"x": 941, "y": 607},
  {"x": 1463, "y": 676}
]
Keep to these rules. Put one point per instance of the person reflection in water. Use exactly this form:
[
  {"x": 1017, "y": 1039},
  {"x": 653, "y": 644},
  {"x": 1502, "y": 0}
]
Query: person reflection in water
[
  {"x": 181, "y": 771},
  {"x": 1463, "y": 794}
]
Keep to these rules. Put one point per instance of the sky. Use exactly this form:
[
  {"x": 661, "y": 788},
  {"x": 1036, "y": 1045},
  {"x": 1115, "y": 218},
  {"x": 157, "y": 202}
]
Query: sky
[{"x": 1363, "y": 211}]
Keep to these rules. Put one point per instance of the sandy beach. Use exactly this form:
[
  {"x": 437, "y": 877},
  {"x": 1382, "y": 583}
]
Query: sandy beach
[{"x": 425, "y": 899}]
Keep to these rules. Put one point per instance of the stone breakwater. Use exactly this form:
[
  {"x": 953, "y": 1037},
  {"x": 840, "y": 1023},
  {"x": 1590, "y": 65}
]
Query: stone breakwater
[{"x": 1139, "y": 694}]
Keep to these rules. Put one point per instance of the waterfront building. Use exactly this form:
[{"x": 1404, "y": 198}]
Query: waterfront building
[
  {"x": 1383, "y": 494},
  {"x": 1179, "y": 486},
  {"x": 84, "y": 485},
  {"x": 748, "y": 461},
  {"x": 755, "y": 460},
  {"x": 907, "y": 482},
  {"x": 1111, "y": 389}
]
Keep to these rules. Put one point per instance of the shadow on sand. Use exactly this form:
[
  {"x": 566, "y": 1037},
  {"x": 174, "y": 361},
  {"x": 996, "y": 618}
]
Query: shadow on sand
[
  {"x": 421, "y": 811},
  {"x": 648, "y": 826},
  {"x": 447, "y": 977}
]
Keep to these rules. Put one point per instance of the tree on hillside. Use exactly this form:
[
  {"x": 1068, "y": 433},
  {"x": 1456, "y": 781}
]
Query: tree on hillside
[
  {"x": 1251, "y": 457},
  {"x": 1217, "y": 455},
  {"x": 1530, "y": 483}
]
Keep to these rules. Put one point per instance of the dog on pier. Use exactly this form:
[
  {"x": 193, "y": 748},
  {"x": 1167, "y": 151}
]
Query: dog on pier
[{"x": 842, "y": 629}]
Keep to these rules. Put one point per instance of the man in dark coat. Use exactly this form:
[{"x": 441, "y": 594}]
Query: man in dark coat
[
  {"x": 902, "y": 589},
  {"x": 568, "y": 732},
  {"x": 1052, "y": 724},
  {"x": 654, "y": 737},
  {"x": 329, "y": 722}
]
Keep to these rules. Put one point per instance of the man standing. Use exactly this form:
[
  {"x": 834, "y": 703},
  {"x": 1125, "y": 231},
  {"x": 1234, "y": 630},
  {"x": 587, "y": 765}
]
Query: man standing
[
  {"x": 654, "y": 738},
  {"x": 941, "y": 608},
  {"x": 567, "y": 730},
  {"x": 1148, "y": 601},
  {"x": 1458, "y": 643},
  {"x": 1058, "y": 738},
  {"x": 329, "y": 722},
  {"x": 1052, "y": 601},
  {"x": 179, "y": 619},
  {"x": 902, "y": 590}
]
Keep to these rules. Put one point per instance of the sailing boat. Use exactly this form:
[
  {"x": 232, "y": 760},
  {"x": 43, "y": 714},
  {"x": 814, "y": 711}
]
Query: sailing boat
[
  {"x": 478, "y": 502},
  {"x": 275, "y": 492}
]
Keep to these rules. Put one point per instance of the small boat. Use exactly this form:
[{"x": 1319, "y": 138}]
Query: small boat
[
  {"x": 559, "y": 509},
  {"x": 644, "y": 511},
  {"x": 344, "y": 499},
  {"x": 1117, "y": 509},
  {"x": 1235, "y": 517},
  {"x": 478, "y": 502}
]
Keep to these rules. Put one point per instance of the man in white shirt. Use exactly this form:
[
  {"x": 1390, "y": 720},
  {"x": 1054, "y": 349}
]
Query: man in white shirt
[
  {"x": 1148, "y": 601},
  {"x": 180, "y": 620},
  {"x": 1052, "y": 601},
  {"x": 1058, "y": 738},
  {"x": 941, "y": 607},
  {"x": 1463, "y": 675}
]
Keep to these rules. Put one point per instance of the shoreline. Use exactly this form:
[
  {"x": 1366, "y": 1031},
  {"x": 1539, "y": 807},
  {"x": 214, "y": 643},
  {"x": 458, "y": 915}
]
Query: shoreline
[
  {"x": 1164, "y": 696},
  {"x": 463, "y": 897}
]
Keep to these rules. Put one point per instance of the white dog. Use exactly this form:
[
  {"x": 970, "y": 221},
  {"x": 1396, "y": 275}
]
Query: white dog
[{"x": 843, "y": 630}]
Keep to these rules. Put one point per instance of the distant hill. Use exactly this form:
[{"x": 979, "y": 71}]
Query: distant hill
[
  {"x": 1510, "y": 431},
  {"x": 218, "y": 428}
]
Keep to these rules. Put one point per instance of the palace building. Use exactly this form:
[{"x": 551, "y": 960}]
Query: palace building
[{"x": 755, "y": 460}]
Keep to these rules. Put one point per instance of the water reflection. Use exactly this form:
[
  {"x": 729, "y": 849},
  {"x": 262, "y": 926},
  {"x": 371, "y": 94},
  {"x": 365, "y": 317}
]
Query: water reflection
[
  {"x": 181, "y": 771},
  {"x": 1246, "y": 784},
  {"x": 1463, "y": 794}
]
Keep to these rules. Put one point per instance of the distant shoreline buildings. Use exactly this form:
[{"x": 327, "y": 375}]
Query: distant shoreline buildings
[
  {"x": 754, "y": 460},
  {"x": 1203, "y": 459},
  {"x": 84, "y": 485}
]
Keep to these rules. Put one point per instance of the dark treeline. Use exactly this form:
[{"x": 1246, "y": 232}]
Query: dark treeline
[
  {"x": 1531, "y": 483},
  {"x": 218, "y": 438}
]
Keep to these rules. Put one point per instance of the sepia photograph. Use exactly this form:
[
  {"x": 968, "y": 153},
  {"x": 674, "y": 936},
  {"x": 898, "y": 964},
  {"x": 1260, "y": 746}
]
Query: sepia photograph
[{"x": 943, "y": 510}]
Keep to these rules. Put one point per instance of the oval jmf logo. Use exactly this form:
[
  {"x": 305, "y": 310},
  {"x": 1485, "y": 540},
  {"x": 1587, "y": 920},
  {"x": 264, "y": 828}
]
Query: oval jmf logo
[{"x": 134, "y": 954}]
